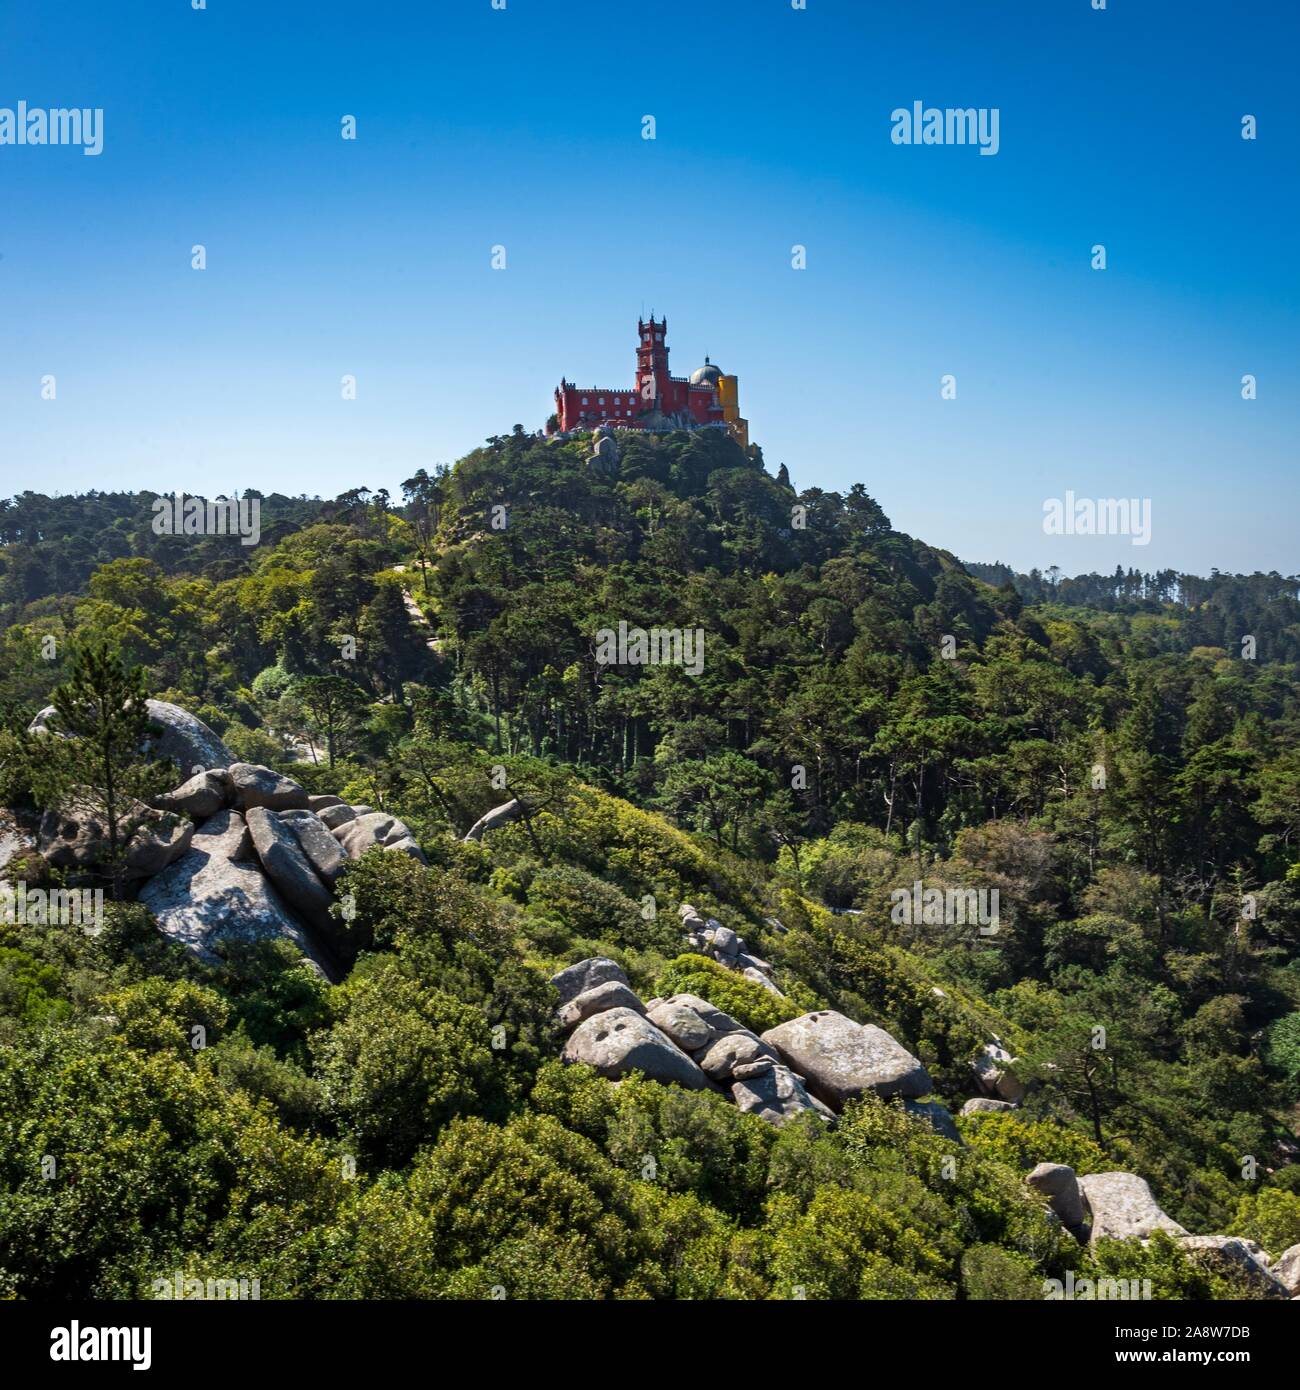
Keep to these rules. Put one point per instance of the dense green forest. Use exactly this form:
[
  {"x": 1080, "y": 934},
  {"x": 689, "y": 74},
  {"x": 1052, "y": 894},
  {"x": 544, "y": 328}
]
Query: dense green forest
[{"x": 869, "y": 712}]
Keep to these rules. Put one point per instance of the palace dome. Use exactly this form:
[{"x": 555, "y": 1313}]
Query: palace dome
[{"x": 707, "y": 375}]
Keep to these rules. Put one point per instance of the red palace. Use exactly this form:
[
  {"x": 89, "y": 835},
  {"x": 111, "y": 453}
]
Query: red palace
[{"x": 658, "y": 400}]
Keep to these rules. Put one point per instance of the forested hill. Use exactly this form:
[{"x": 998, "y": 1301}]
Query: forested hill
[{"x": 858, "y": 714}]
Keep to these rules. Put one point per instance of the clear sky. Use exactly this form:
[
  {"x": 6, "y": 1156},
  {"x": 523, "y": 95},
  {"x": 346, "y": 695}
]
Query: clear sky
[{"x": 523, "y": 127}]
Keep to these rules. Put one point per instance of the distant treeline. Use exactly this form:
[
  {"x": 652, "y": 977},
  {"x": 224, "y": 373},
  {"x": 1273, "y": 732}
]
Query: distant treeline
[
  {"x": 1218, "y": 611},
  {"x": 52, "y": 545}
]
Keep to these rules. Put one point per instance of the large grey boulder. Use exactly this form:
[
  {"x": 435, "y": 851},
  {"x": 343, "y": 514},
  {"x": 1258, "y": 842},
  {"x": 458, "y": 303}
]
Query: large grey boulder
[
  {"x": 1286, "y": 1270},
  {"x": 978, "y": 1105},
  {"x": 1235, "y": 1256},
  {"x": 331, "y": 817},
  {"x": 752, "y": 972},
  {"x": 993, "y": 1067},
  {"x": 774, "y": 1094},
  {"x": 937, "y": 1116},
  {"x": 577, "y": 979},
  {"x": 621, "y": 1041},
  {"x": 175, "y": 735},
  {"x": 682, "y": 1025},
  {"x": 1058, "y": 1183},
  {"x": 498, "y": 815},
  {"x": 289, "y": 868},
  {"x": 611, "y": 995},
  {"x": 841, "y": 1060},
  {"x": 320, "y": 847},
  {"x": 322, "y": 803},
  {"x": 215, "y": 894},
  {"x": 185, "y": 739},
  {"x": 724, "y": 1058},
  {"x": 76, "y": 837},
  {"x": 720, "y": 1023},
  {"x": 1121, "y": 1206},
  {"x": 200, "y": 796},
  {"x": 407, "y": 845},
  {"x": 255, "y": 785},
  {"x": 373, "y": 828}
]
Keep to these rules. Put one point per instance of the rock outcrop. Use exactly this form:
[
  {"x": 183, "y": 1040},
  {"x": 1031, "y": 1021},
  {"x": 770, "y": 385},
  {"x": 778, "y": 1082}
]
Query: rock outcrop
[
  {"x": 1121, "y": 1206},
  {"x": 686, "y": 1039},
  {"x": 1286, "y": 1270},
  {"x": 76, "y": 837},
  {"x": 288, "y": 867},
  {"x": 708, "y": 937},
  {"x": 621, "y": 1041},
  {"x": 1243, "y": 1258},
  {"x": 842, "y": 1060},
  {"x": 263, "y": 862},
  {"x": 611, "y": 995},
  {"x": 993, "y": 1067},
  {"x": 773, "y": 1093},
  {"x": 254, "y": 785},
  {"x": 977, "y": 1105},
  {"x": 216, "y": 894},
  {"x": 176, "y": 736},
  {"x": 587, "y": 974},
  {"x": 1058, "y": 1183}
]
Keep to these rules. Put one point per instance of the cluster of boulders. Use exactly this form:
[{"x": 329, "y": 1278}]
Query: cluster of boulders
[
  {"x": 708, "y": 937},
  {"x": 817, "y": 1062},
  {"x": 1120, "y": 1206},
  {"x": 235, "y": 852}
]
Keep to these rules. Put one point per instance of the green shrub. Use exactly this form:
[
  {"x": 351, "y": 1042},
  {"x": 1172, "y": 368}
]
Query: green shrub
[
  {"x": 1021, "y": 1143},
  {"x": 748, "y": 1003}
]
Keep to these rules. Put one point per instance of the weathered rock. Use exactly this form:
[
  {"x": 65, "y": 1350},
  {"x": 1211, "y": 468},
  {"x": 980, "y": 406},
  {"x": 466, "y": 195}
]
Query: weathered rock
[
  {"x": 175, "y": 735},
  {"x": 321, "y": 848},
  {"x": 184, "y": 739},
  {"x": 726, "y": 945},
  {"x": 15, "y": 843},
  {"x": 406, "y": 845},
  {"x": 1236, "y": 1256},
  {"x": 683, "y": 1025},
  {"x": 1058, "y": 1183},
  {"x": 732, "y": 1051},
  {"x": 744, "y": 961},
  {"x": 289, "y": 868},
  {"x": 611, "y": 995},
  {"x": 216, "y": 895},
  {"x": 498, "y": 815},
  {"x": 202, "y": 796},
  {"x": 937, "y": 1116},
  {"x": 750, "y": 973},
  {"x": 255, "y": 785},
  {"x": 774, "y": 1095},
  {"x": 758, "y": 1068},
  {"x": 1286, "y": 1270},
  {"x": 621, "y": 1041},
  {"x": 841, "y": 1060},
  {"x": 76, "y": 837},
  {"x": 720, "y": 1023},
  {"x": 1121, "y": 1206},
  {"x": 574, "y": 980},
  {"x": 993, "y": 1070},
  {"x": 332, "y": 817},
  {"x": 365, "y": 832},
  {"x": 321, "y": 803},
  {"x": 978, "y": 1105}
]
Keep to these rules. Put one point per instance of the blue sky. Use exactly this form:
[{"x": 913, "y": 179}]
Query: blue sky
[{"x": 522, "y": 128}]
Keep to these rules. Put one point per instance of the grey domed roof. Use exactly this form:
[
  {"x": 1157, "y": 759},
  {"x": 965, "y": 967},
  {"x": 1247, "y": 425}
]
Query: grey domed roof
[{"x": 707, "y": 375}]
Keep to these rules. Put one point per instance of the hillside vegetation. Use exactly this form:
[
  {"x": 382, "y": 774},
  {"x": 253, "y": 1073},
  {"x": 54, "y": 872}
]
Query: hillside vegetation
[{"x": 868, "y": 715}]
